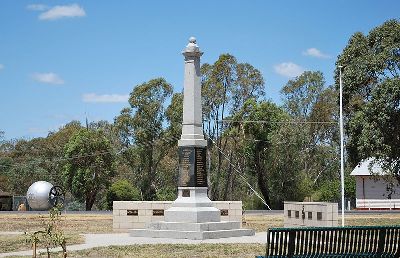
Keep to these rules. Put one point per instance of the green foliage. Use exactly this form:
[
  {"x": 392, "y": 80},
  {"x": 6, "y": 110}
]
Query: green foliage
[
  {"x": 27, "y": 161},
  {"x": 330, "y": 191},
  {"x": 90, "y": 165},
  {"x": 141, "y": 126},
  {"x": 312, "y": 139},
  {"x": 174, "y": 115},
  {"x": 302, "y": 93},
  {"x": 257, "y": 146},
  {"x": 122, "y": 190},
  {"x": 349, "y": 185},
  {"x": 252, "y": 202},
  {"x": 166, "y": 194},
  {"x": 75, "y": 206},
  {"x": 51, "y": 236},
  {"x": 147, "y": 100},
  {"x": 372, "y": 95},
  {"x": 287, "y": 178},
  {"x": 226, "y": 86}
]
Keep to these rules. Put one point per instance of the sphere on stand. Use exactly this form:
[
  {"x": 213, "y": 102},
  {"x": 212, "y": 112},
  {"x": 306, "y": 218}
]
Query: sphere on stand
[{"x": 38, "y": 195}]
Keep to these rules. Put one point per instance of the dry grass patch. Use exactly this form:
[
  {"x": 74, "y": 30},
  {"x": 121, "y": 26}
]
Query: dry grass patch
[
  {"x": 9, "y": 243},
  {"x": 261, "y": 223},
  {"x": 164, "y": 250},
  {"x": 12, "y": 243},
  {"x": 372, "y": 219},
  {"x": 72, "y": 224}
]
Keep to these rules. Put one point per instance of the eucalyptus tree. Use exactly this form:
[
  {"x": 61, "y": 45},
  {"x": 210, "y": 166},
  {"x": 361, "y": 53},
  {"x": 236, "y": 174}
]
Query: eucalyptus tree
[
  {"x": 263, "y": 122},
  {"x": 174, "y": 116},
  {"x": 371, "y": 95},
  {"x": 141, "y": 127},
  {"x": 226, "y": 86},
  {"x": 313, "y": 112},
  {"x": 90, "y": 165}
]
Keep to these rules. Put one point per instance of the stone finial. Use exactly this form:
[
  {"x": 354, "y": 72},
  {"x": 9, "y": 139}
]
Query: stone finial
[
  {"x": 192, "y": 49},
  {"x": 192, "y": 40}
]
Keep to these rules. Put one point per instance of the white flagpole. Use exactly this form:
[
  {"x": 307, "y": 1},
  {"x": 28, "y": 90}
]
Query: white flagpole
[{"x": 341, "y": 141}]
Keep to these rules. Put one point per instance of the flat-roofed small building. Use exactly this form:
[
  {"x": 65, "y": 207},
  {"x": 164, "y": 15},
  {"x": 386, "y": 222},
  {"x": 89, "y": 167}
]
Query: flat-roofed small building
[
  {"x": 373, "y": 188},
  {"x": 6, "y": 201}
]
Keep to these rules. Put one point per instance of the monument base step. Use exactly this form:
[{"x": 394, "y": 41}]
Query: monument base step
[
  {"x": 194, "y": 235},
  {"x": 195, "y": 231},
  {"x": 189, "y": 226}
]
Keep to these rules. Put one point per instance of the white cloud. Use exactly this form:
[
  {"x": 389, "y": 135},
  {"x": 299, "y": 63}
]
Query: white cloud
[
  {"x": 314, "y": 52},
  {"x": 37, "y": 7},
  {"x": 63, "y": 11},
  {"x": 50, "y": 78},
  {"x": 288, "y": 69},
  {"x": 1, "y": 67},
  {"x": 105, "y": 98}
]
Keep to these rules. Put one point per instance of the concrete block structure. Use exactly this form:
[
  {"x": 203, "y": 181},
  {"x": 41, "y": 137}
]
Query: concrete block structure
[
  {"x": 310, "y": 214},
  {"x": 138, "y": 214}
]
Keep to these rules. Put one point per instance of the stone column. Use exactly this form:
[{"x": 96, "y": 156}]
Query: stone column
[
  {"x": 192, "y": 204},
  {"x": 192, "y": 129}
]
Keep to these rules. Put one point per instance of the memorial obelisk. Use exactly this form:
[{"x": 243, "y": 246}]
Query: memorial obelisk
[
  {"x": 192, "y": 204},
  {"x": 192, "y": 215}
]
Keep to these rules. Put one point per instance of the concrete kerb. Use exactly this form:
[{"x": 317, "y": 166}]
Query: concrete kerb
[{"x": 118, "y": 239}]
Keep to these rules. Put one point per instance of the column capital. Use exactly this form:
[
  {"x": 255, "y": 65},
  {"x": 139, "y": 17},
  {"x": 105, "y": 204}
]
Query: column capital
[{"x": 192, "y": 49}]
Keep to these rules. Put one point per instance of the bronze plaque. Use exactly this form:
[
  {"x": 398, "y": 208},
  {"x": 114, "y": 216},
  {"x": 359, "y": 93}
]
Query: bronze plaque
[
  {"x": 185, "y": 193},
  {"x": 192, "y": 167},
  {"x": 224, "y": 212},
  {"x": 186, "y": 168},
  {"x": 132, "y": 212},
  {"x": 200, "y": 167},
  {"x": 158, "y": 212}
]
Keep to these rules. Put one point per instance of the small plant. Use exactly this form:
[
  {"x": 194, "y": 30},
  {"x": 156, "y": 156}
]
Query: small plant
[{"x": 52, "y": 235}]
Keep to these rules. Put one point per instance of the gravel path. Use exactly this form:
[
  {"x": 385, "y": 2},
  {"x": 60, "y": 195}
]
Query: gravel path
[{"x": 101, "y": 240}]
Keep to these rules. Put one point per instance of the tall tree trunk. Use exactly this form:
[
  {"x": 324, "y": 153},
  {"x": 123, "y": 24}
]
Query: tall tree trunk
[
  {"x": 210, "y": 186},
  {"x": 90, "y": 198},
  {"x": 151, "y": 176},
  {"x": 261, "y": 177},
  {"x": 228, "y": 179},
  {"x": 216, "y": 144}
]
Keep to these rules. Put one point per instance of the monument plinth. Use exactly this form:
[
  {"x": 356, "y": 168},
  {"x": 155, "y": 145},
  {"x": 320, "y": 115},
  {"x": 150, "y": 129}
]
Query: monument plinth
[{"x": 192, "y": 215}]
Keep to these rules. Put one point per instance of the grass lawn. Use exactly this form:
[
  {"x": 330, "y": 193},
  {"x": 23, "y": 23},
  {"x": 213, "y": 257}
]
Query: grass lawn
[
  {"x": 72, "y": 224},
  {"x": 76, "y": 224}
]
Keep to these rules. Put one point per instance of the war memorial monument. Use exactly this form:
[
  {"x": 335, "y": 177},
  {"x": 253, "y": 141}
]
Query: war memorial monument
[{"x": 192, "y": 215}]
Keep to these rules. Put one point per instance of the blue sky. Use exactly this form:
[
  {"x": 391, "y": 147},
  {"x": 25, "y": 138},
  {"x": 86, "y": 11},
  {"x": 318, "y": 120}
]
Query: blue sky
[{"x": 64, "y": 60}]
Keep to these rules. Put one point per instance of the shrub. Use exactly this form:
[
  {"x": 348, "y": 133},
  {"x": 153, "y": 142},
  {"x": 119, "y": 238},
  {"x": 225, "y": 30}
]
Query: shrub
[{"x": 122, "y": 190}]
